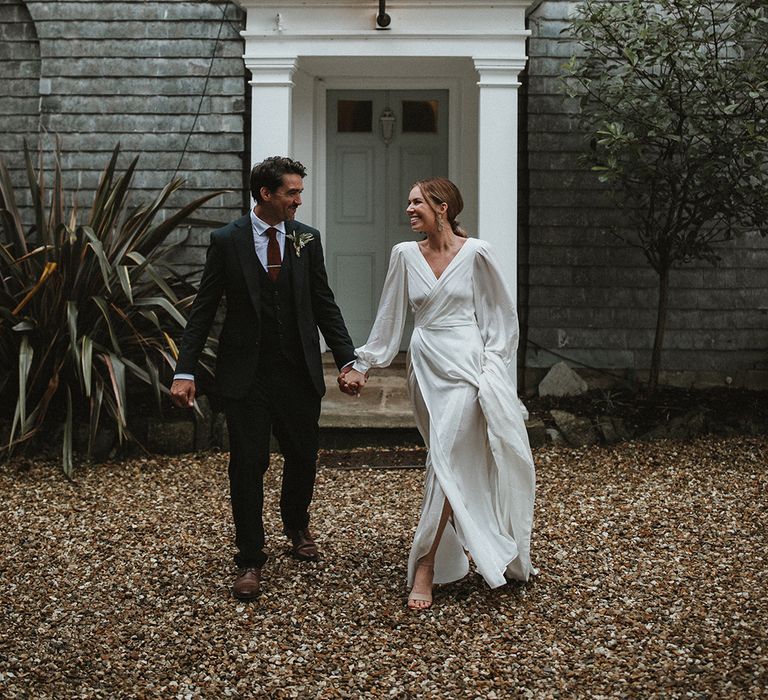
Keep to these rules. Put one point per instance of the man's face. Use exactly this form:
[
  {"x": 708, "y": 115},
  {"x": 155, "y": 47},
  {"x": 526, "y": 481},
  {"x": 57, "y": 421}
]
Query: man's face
[{"x": 281, "y": 205}]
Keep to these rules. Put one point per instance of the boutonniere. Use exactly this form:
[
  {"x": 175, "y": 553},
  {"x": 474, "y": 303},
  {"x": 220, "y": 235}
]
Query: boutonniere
[{"x": 299, "y": 241}]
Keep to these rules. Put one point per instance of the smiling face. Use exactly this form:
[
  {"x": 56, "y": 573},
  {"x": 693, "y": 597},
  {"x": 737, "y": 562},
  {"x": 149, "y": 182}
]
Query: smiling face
[
  {"x": 421, "y": 213},
  {"x": 281, "y": 205}
]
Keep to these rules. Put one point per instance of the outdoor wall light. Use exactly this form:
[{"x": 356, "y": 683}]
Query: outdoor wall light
[
  {"x": 387, "y": 123},
  {"x": 383, "y": 20}
]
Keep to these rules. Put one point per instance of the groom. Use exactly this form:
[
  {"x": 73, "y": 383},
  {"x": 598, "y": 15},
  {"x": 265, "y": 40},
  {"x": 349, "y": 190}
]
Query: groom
[{"x": 269, "y": 371}]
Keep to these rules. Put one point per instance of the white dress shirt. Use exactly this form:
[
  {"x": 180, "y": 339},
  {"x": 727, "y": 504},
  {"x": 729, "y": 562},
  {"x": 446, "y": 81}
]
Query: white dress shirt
[{"x": 260, "y": 238}]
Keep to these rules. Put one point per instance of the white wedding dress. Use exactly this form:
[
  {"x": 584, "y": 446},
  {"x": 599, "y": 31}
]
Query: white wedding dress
[{"x": 466, "y": 407}]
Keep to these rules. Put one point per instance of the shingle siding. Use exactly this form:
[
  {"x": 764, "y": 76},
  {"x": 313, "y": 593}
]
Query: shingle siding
[
  {"x": 135, "y": 73},
  {"x": 591, "y": 297},
  {"x": 19, "y": 80}
]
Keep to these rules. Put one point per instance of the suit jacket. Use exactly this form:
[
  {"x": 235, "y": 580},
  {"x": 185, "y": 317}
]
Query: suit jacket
[{"x": 231, "y": 270}]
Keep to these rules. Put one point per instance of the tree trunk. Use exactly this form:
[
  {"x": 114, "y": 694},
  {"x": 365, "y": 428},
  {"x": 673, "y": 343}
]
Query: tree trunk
[{"x": 661, "y": 323}]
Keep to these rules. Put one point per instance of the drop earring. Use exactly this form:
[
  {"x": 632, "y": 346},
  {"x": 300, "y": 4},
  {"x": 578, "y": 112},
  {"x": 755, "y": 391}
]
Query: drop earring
[{"x": 439, "y": 222}]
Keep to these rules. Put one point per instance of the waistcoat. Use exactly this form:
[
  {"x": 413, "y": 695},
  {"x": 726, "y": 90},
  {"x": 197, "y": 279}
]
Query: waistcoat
[{"x": 280, "y": 339}]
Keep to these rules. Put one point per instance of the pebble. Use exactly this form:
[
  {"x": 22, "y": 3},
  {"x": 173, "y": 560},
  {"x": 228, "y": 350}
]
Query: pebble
[{"x": 652, "y": 583}]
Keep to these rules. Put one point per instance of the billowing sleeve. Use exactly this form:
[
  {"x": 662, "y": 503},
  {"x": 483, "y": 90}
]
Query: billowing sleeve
[
  {"x": 384, "y": 341},
  {"x": 494, "y": 307}
]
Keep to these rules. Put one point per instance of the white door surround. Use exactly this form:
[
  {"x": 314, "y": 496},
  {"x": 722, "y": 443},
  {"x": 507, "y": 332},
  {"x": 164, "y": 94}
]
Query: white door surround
[{"x": 296, "y": 50}]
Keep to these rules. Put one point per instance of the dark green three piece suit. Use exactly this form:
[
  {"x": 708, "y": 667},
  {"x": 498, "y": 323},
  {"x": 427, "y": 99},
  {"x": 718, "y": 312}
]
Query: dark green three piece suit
[{"x": 269, "y": 370}]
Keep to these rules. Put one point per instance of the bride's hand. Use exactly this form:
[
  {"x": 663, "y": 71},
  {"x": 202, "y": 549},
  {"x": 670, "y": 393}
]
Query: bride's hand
[{"x": 351, "y": 381}]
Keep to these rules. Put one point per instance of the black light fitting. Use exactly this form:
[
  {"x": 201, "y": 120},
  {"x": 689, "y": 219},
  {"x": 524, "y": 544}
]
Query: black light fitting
[{"x": 383, "y": 20}]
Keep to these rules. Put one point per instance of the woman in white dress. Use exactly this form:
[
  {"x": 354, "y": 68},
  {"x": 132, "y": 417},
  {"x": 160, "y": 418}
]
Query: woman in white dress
[{"x": 479, "y": 483}]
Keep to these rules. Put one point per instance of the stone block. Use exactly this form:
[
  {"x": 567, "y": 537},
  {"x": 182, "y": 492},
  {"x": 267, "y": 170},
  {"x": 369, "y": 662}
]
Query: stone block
[
  {"x": 577, "y": 431},
  {"x": 105, "y": 440},
  {"x": 21, "y": 69},
  {"x": 685, "y": 427},
  {"x": 756, "y": 379},
  {"x": 149, "y": 12},
  {"x": 203, "y": 423},
  {"x": 219, "y": 85},
  {"x": 171, "y": 436},
  {"x": 612, "y": 429},
  {"x": 16, "y": 50},
  {"x": 219, "y": 433},
  {"x": 552, "y": 141},
  {"x": 561, "y": 380},
  {"x": 537, "y": 432},
  {"x": 555, "y": 437},
  {"x": 150, "y": 49}
]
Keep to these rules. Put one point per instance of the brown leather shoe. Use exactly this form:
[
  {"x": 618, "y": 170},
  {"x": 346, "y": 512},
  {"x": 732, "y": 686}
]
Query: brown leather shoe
[
  {"x": 246, "y": 585},
  {"x": 304, "y": 546}
]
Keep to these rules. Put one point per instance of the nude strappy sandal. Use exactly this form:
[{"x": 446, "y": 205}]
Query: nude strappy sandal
[
  {"x": 421, "y": 597},
  {"x": 427, "y": 598}
]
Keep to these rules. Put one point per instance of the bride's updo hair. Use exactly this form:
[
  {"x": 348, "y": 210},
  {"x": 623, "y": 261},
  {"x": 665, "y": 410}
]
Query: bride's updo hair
[{"x": 440, "y": 190}]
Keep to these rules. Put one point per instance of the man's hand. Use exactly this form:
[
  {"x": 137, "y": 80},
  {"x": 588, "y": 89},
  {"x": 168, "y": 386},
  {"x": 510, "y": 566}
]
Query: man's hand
[
  {"x": 183, "y": 393},
  {"x": 351, "y": 381}
]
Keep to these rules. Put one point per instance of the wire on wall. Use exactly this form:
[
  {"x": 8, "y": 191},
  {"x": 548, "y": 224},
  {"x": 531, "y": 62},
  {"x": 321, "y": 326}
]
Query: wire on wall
[{"x": 223, "y": 21}]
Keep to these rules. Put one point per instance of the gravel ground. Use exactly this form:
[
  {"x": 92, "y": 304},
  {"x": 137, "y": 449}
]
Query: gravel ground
[{"x": 653, "y": 583}]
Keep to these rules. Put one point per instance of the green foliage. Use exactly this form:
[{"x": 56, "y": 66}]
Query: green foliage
[
  {"x": 85, "y": 308},
  {"x": 675, "y": 96}
]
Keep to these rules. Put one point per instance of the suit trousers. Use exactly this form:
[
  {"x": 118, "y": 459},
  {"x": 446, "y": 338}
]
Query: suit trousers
[{"x": 283, "y": 401}]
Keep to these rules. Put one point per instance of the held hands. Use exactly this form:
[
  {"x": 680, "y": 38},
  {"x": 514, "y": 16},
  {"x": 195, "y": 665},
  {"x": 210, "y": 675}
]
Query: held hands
[
  {"x": 183, "y": 393},
  {"x": 351, "y": 381}
]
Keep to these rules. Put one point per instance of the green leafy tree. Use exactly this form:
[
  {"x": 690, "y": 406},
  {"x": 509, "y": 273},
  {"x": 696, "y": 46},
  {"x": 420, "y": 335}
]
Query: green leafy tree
[
  {"x": 85, "y": 308},
  {"x": 674, "y": 96}
]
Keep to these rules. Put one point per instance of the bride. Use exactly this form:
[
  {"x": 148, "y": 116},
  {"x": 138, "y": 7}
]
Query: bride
[{"x": 479, "y": 482}]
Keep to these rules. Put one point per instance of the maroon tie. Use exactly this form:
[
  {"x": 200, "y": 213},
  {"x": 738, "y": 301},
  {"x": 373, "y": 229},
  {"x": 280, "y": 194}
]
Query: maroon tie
[{"x": 273, "y": 254}]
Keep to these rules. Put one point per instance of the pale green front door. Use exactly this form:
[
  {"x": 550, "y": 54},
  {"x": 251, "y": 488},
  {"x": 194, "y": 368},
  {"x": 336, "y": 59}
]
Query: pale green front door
[{"x": 379, "y": 143}]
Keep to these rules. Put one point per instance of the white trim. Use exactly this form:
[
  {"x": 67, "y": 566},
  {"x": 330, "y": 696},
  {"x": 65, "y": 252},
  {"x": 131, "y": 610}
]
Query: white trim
[
  {"x": 277, "y": 71},
  {"x": 272, "y": 84},
  {"x": 475, "y": 49},
  {"x": 498, "y": 72},
  {"x": 347, "y": 36},
  {"x": 391, "y": 4}
]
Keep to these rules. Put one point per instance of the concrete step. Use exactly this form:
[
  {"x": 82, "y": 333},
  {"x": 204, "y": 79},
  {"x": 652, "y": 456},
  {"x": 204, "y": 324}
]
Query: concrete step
[{"x": 383, "y": 404}]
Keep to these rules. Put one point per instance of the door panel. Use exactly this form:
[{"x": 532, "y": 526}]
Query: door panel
[
  {"x": 368, "y": 180},
  {"x": 355, "y": 285},
  {"x": 354, "y": 200}
]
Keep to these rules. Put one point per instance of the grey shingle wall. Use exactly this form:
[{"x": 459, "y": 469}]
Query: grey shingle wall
[
  {"x": 138, "y": 73},
  {"x": 19, "y": 82},
  {"x": 592, "y": 299}
]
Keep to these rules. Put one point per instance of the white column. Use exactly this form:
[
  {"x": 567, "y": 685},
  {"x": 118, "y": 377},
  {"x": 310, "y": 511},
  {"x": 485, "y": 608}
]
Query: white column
[
  {"x": 497, "y": 159},
  {"x": 271, "y": 106},
  {"x": 497, "y": 162}
]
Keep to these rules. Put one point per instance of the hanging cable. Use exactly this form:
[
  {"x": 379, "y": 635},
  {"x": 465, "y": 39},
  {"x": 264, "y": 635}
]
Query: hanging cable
[{"x": 205, "y": 87}]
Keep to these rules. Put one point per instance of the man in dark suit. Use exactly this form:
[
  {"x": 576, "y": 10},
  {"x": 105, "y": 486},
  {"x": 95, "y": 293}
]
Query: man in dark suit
[{"x": 269, "y": 371}]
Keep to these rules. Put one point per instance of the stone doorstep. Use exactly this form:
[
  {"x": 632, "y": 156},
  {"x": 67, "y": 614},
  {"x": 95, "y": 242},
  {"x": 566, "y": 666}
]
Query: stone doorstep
[{"x": 384, "y": 404}]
